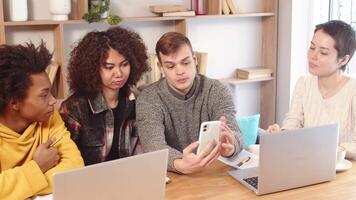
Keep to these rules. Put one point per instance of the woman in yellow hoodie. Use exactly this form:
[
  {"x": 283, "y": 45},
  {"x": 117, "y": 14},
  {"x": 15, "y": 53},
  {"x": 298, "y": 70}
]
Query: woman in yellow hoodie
[{"x": 34, "y": 142}]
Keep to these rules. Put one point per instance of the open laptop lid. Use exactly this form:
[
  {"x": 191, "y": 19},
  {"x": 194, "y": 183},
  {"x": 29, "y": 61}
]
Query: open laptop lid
[
  {"x": 135, "y": 178},
  {"x": 298, "y": 157}
]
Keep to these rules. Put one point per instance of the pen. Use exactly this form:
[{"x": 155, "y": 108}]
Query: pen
[
  {"x": 243, "y": 161},
  {"x": 168, "y": 180},
  {"x": 56, "y": 141}
]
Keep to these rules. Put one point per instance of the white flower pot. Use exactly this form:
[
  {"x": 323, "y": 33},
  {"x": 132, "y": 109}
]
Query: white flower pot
[
  {"x": 18, "y": 10},
  {"x": 60, "y": 9}
]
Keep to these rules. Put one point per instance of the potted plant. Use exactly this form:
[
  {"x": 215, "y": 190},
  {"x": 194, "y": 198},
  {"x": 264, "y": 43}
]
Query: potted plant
[{"x": 99, "y": 9}]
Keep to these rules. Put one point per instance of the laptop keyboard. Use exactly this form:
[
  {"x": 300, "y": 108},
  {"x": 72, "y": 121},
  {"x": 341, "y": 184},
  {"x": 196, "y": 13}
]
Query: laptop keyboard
[{"x": 253, "y": 181}]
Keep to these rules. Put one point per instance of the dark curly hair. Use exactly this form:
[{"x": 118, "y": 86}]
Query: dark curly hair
[
  {"x": 92, "y": 51},
  {"x": 343, "y": 35},
  {"x": 17, "y": 63}
]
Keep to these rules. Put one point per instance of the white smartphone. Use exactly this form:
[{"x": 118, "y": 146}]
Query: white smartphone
[{"x": 208, "y": 131}]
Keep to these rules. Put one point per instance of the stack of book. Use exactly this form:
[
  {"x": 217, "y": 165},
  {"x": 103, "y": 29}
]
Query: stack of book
[
  {"x": 229, "y": 7},
  {"x": 154, "y": 74},
  {"x": 171, "y": 10},
  {"x": 253, "y": 73},
  {"x": 202, "y": 58},
  {"x": 51, "y": 70}
]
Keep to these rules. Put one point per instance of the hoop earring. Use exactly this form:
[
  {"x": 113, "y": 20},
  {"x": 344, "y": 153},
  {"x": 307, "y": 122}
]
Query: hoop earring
[{"x": 347, "y": 69}]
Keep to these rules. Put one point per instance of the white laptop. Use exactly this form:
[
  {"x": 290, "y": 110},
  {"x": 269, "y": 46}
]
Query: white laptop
[
  {"x": 135, "y": 178},
  {"x": 292, "y": 159}
]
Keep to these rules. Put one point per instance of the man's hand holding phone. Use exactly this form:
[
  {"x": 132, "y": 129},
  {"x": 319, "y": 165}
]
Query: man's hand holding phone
[
  {"x": 192, "y": 163},
  {"x": 215, "y": 139},
  {"x": 208, "y": 149},
  {"x": 209, "y": 133},
  {"x": 217, "y": 131},
  {"x": 227, "y": 139}
]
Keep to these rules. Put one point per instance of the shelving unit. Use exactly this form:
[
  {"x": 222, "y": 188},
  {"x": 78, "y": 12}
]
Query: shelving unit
[
  {"x": 256, "y": 14},
  {"x": 2, "y": 27},
  {"x": 80, "y": 21},
  {"x": 269, "y": 44},
  {"x": 269, "y": 59},
  {"x": 236, "y": 81}
]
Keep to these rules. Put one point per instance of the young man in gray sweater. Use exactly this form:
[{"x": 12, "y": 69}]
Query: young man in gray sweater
[{"x": 170, "y": 111}]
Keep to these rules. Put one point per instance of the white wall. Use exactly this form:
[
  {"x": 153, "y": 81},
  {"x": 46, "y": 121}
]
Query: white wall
[
  {"x": 230, "y": 42},
  {"x": 284, "y": 59},
  {"x": 294, "y": 34}
]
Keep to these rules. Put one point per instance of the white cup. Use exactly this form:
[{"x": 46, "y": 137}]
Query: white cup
[
  {"x": 341, "y": 153},
  {"x": 350, "y": 150}
]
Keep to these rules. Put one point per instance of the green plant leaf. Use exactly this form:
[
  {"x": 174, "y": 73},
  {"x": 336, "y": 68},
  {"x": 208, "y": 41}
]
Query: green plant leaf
[
  {"x": 97, "y": 8},
  {"x": 113, "y": 19},
  {"x": 91, "y": 17}
]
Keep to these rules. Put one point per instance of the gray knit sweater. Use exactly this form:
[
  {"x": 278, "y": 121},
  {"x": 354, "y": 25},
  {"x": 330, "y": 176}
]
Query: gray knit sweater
[{"x": 165, "y": 121}]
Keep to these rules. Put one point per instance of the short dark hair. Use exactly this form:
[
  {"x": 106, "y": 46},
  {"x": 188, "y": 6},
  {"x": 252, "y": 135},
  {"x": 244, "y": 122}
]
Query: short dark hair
[
  {"x": 17, "y": 63},
  {"x": 92, "y": 51},
  {"x": 170, "y": 42},
  {"x": 343, "y": 35}
]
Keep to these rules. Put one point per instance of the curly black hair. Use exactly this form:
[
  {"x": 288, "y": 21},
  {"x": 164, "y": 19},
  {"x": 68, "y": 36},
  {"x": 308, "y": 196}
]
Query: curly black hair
[
  {"x": 92, "y": 51},
  {"x": 17, "y": 63}
]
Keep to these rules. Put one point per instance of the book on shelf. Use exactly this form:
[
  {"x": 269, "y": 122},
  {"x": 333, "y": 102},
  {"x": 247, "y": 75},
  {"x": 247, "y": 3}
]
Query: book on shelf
[
  {"x": 232, "y": 6},
  {"x": 154, "y": 74},
  {"x": 228, "y": 7},
  {"x": 253, "y": 76},
  {"x": 155, "y": 71},
  {"x": 225, "y": 8},
  {"x": 52, "y": 70},
  {"x": 179, "y": 14},
  {"x": 202, "y": 58},
  {"x": 167, "y": 8},
  {"x": 254, "y": 72}
]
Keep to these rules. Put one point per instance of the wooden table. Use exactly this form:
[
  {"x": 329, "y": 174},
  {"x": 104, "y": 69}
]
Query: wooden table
[{"x": 215, "y": 183}]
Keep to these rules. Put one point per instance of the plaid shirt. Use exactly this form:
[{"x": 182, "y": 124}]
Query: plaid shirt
[{"x": 91, "y": 124}]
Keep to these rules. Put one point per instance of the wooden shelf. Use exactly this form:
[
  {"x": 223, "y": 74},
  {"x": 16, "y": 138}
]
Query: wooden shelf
[
  {"x": 257, "y": 14},
  {"x": 268, "y": 47},
  {"x": 80, "y": 21},
  {"x": 148, "y": 19},
  {"x": 235, "y": 81},
  {"x": 2, "y": 27},
  {"x": 32, "y": 23},
  {"x": 135, "y": 19}
]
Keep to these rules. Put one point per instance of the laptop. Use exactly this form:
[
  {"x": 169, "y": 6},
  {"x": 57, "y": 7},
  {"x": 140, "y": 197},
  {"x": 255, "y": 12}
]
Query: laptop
[
  {"x": 291, "y": 159},
  {"x": 135, "y": 178}
]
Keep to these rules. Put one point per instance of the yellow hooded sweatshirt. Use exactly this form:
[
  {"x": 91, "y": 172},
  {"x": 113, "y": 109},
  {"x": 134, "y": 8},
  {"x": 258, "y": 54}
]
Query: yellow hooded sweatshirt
[{"x": 20, "y": 176}]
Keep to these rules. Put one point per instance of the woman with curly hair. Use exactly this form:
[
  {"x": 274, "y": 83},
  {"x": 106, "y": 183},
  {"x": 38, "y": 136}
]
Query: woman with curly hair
[{"x": 100, "y": 113}]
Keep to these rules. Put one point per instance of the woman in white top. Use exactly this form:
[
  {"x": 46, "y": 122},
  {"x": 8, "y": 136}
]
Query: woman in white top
[{"x": 327, "y": 95}]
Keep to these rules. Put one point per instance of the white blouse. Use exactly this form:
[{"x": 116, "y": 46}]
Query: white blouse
[{"x": 308, "y": 108}]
